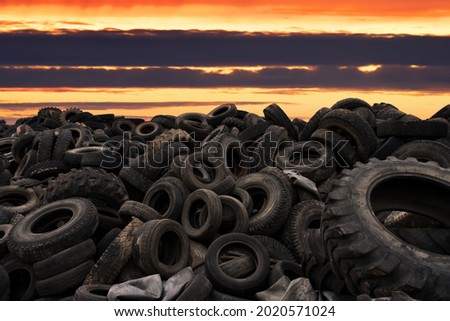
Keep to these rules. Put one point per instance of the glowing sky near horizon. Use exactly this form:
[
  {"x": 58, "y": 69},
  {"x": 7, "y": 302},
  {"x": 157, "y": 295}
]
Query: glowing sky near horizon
[{"x": 420, "y": 91}]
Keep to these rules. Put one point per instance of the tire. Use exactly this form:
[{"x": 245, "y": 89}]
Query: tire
[
  {"x": 141, "y": 211},
  {"x": 344, "y": 153},
  {"x": 47, "y": 169},
  {"x": 167, "y": 198},
  {"x": 121, "y": 126},
  {"x": 388, "y": 147},
  {"x": 234, "y": 122},
  {"x": 45, "y": 147},
  {"x": 290, "y": 269},
  {"x": 67, "y": 114},
  {"x": 135, "y": 182},
  {"x": 387, "y": 112},
  {"x": 219, "y": 183},
  {"x": 197, "y": 290},
  {"x": 425, "y": 150},
  {"x": 21, "y": 146},
  {"x": 115, "y": 257},
  {"x": 312, "y": 125},
  {"x": 40, "y": 234},
  {"x": 218, "y": 114},
  {"x": 444, "y": 112},
  {"x": 148, "y": 130},
  {"x": 161, "y": 246},
  {"x": 27, "y": 161},
  {"x": 64, "y": 260},
  {"x": 93, "y": 184},
  {"x": 254, "y": 132},
  {"x": 105, "y": 241},
  {"x": 81, "y": 134},
  {"x": 244, "y": 197},
  {"x": 318, "y": 169},
  {"x": 271, "y": 202},
  {"x": 92, "y": 292},
  {"x": 65, "y": 281},
  {"x": 74, "y": 156},
  {"x": 357, "y": 242},
  {"x": 234, "y": 216},
  {"x": 22, "y": 280},
  {"x": 63, "y": 142},
  {"x": 435, "y": 128},
  {"x": 277, "y": 250},
  {"x": 350, "y": 125},
  {"x": 168, "y": 121},
  {"x": 240, "y": 286},
  {"x": 202, "y": 214},
  {"x": 274, "y": 113},
  {"x": 429, "y": 239},
  {"x": 16, "y": 199},
  {"x": 350, "y": 104}
]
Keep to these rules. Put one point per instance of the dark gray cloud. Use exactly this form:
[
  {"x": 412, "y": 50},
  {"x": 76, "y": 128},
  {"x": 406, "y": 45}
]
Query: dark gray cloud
[
  {"x": 124, "y": 105},
  {"x": 387, "y": 77},
  {"x": 213, "y": 48}
]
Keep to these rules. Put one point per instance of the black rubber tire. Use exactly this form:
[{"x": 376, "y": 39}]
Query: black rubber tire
[
  {"x": 271, "y": 202},
  {"x": 148, "y": 130},
  {"x": 202, "y": 214},
  {"x": 303, "y": 219},
  {"x": 234, "y": 122},
  {"x": 139, "y": 210},
  {"x": 5, "y": 216},
  {"x": 197, "y": 290},
  {"x": 168, "y": 121},
  {"x": 429, "y": 239},
  {"x": 63, "y": 142},
  {"x": 115, "y": 257},
  {"x": 350, "y": 104},
  {"x": 218, "y": 114},
  {"x": 39, "y": 234},
  {"x": 274, "y": 113},
  {"x": 388, "y": 147},
  {"x": 316, "y": 169},
  {"x": 108, "y": 218},
  {"x": 290, "y": 269},
  {"x": 74, "y": 156},
  {"x": 344, "y": 153},
  {"x": 234, "y": 216},
  {"x": 22, "y": 280},
  {"x": 220, "y": 182},
  {"x": 161, "y": 246},
  {"x": 45, "y": 147},
  {"x": 28, "y": 160},
  {"x": 135, "y": 183},
  {"x": 65, "y": 281},
  {"x": 240, "y": 286},
  {"x": 93, "y": 184},
  {"x": 367, "y": 114},
  {"x": 21, "y": 146},
  {"x": 92, "y": 292},
  {"x": 434, "y": 128},
  {"x": 385, "y": 111},
  {"x": 65, "y": 115},
  {"x": 16, "y": 199},
  {"x": 5, "y": 229},
  {"x": 121, "y": 126},
  {"x": 267, "y": 147},
  {"x": 254, "y": 132},
  {"x": 105, "y": 241},
  {"x": 350, "y": 125},
  {"x": 425, "y": 150},
  {"x": 313, "y": 123},
  {"x": 47, "y": 169},
  {"x": 82, "y": 135},
  {"x": 64, "y": 260},
  {"x": 244, "y": 197},
  {"x": 4, "y": 284},
  {"x": 371, "y": 259},
  {"x": 167, "y": 198},
  {"x": 277, "y": 250}
]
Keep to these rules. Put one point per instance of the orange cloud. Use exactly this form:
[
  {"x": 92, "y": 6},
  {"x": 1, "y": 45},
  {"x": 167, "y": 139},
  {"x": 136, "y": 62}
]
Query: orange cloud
[{"x": 417, "y": 8}]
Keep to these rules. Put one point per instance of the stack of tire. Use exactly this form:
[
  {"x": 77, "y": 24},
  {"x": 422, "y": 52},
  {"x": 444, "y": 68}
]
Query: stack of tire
[{"x": 354, "y": 200}]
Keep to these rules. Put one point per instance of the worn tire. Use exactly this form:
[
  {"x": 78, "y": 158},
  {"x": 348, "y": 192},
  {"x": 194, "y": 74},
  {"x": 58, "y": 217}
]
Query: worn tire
[
  {"x": 92, "y": 292},
  {"x": 425, "y": 150},
  {"x": 161, "y": 246},
  {"x": 370, "y": 259},
  {"x": 240, "y": 286},
  {"x": 53, "y": 228}
]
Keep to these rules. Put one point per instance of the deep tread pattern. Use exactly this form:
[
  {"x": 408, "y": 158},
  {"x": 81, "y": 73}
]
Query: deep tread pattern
[
  {"x": 370, "y": 259},
  {"x": 90, "y": 184}
]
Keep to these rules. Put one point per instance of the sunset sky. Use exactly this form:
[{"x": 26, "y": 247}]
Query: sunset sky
[{"x": 175, "y": 56}]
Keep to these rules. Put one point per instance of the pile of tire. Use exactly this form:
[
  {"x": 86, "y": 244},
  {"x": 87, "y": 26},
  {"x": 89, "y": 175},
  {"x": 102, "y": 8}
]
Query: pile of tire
[{"x": 355, "y": 201}]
